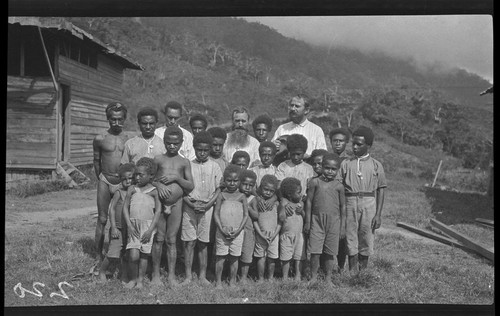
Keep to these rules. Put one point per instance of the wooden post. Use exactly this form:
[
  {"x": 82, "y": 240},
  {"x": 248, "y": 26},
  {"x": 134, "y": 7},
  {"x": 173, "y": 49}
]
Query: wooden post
[{"x": 437, "y": 173}]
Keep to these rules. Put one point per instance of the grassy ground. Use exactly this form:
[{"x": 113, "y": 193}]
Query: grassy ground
[{"x": 403, "y": 269}]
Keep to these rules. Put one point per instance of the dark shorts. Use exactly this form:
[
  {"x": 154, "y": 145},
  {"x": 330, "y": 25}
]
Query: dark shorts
[
  {"x": 324, "y": 235},
  {"x": 118, "y": 245}
]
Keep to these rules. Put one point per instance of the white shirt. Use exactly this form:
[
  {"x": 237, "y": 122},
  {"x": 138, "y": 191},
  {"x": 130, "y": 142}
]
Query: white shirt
[
  {"x": 187, "y": 150},
  {"x": 252, "y": 148},
  {"x": 312, "y": 132}
]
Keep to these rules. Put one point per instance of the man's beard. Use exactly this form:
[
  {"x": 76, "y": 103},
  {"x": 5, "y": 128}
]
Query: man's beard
[{"x": 238, "y": 137}]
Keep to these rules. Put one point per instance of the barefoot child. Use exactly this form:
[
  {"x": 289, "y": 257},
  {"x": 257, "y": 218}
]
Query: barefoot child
[
  {"x": 267, "y": 227},
  {"x": 292, "y": 242},
  {"x": 174, "y": 179},
  {"x": 247, "y": 185},
  {"x": 141, "y": 210},
  {"x": 118, "y": 229},
  {"x": 197, "y": 206},
  {"x": 325, "y": 216},
  {"x": 230, "y": 214},
  {"x": 364, "y": 180}
]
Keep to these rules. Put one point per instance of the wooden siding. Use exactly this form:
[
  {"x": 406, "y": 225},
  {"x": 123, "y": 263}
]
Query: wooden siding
[
  {"x": 31, "y": 123},
  {"x": 91, "y": 91}
]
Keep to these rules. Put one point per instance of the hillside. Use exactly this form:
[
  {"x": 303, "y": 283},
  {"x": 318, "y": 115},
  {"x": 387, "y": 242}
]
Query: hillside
[{"x": 212, "y": 65}]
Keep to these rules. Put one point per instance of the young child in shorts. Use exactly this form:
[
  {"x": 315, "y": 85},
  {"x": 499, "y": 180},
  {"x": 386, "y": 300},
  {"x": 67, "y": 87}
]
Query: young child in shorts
[
  {"x": 325, "y": 216},
  {"x": 267, "y": 227},
  {"x": 241, "y": 159},
  {"x": 292, "y": 241},
  {"x": 118, "y": 227},
  {"x": 247, "y": 185},
  {"x": 141, "y": 210},
  {"x": 198, "y": 206},
  {"x": 267, "y": 152},
  {"x": 364, "y": 180},
  {"x": 230, "y": 214}
]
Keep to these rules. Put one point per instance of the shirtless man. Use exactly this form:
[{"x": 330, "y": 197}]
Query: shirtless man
[
  {"x": 174, "y": 179},
  {"x": 108, "y": 150}
]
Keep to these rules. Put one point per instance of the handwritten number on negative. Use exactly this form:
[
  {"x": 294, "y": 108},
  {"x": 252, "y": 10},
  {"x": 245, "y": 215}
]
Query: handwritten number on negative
[{"x": 21, "y": 291}]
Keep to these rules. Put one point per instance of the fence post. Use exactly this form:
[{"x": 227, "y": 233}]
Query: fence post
[{"x": 437, "y": 173}]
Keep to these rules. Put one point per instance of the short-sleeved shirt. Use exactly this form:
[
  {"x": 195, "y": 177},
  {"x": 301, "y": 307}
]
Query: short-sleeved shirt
[
  {"x": 303, "y": 172},
  {"x": 261, "y": 171},
  {"x": 252, "y": 148},
  {"x": 186, "y": 150},
  {"x": 312, "y": 132},
  {"x": 206, "y": 178},
  {"x": 371, "y": 177},
  {"x": 138, "y": 147}
]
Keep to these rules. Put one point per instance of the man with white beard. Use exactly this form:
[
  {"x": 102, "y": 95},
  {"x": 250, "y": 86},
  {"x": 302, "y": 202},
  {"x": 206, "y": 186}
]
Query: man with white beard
[{"x": 238, "y": 138}]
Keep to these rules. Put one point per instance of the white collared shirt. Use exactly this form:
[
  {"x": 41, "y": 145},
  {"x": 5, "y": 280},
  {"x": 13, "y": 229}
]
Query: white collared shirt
[
  {"x": 312, "y": 132},
  {"x": 187, "y": 150}
]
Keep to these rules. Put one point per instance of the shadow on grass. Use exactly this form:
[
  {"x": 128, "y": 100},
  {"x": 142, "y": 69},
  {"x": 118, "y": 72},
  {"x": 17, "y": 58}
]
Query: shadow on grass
[
  {"x": 88, "y": 246},
  {"x": 454, "y": 207}
]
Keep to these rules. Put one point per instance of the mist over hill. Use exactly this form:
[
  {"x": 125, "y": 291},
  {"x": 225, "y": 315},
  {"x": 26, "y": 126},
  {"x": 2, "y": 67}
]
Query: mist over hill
[{"x": 212, "y": 65}]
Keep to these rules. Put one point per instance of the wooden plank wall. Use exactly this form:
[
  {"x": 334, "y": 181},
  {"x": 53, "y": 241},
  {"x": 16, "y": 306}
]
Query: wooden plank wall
[
  {"x": 31, "y": 123},
  {"x": 91, "y": 91}
]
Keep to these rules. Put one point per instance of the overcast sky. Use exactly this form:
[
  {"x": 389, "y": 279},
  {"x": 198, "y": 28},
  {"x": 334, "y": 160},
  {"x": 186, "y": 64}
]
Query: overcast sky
[{"x": 464, "y": 41}]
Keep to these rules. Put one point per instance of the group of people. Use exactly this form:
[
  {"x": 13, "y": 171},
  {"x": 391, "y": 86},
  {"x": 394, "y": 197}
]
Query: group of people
[{"x": 234, "y": 197}]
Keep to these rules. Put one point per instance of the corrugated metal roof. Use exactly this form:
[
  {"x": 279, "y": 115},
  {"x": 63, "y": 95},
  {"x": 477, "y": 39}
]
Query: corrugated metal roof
[{"x": 63, "y": 25}]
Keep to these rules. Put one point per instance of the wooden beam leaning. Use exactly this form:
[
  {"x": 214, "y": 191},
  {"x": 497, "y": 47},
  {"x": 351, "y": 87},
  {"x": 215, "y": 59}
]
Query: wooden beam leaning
[
  {"x": 433, "y": 236},
  {"x": 488, "y": 222},
  {"x": 466, "y": 241}
]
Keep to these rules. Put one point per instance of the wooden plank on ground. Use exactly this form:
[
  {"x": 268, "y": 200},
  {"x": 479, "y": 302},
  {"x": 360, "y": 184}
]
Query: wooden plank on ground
[
  {"x": 433, "y": 236},
  {"x": 466, "y": 241},
  {"x": 485, "y": 221}
]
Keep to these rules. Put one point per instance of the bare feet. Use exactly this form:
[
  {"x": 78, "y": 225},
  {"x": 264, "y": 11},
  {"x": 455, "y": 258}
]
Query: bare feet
[
  {"x": 218, "y": 285},
  {"x": 186, "y": 281},
  {"x": 139, "y": 285},
  {"x": 173, "y": 282},
  {"x": 156, "y": 282},
  {"x": 244, "y": 281},
  {"x": 102, "y": 278},
  {"x": 297, "y": 277},
  {"x": 232, "y": 283},
  {"x": 204, "y": 281},
  {"x": 260, "y": 281},
  {"x": 130, "y": 285}
]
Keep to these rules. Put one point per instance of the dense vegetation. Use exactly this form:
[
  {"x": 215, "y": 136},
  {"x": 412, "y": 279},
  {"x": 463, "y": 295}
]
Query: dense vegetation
[{"x": 214, "y": 64}]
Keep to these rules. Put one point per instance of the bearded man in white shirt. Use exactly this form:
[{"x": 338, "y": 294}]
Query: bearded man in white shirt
[
  {"x": 239, "y": 139},
  {"x": 298, "y": 109}
]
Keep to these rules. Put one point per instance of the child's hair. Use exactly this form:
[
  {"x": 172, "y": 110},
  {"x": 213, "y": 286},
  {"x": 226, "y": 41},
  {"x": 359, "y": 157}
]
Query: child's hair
[
  {"x": 128, "y": 167},
  {"x": 315, "y": 153},
  {"x": 147, "y": 111},
  {"x": 366, "y": 132},
  {"x": 203, "y": 138},
  {"x": 232, "y": 169},
  {"x": 239, "y": 154},
  {"x": 174, "y": 131},
  {"x": 268, "y": 144},
  {"x": 198, "y": 117},
  {"x": 173, "y": 105},
  {"x": 217, "y": 132},
  {"x": 263, "y": 119},
  {"x": 269, "y": 179},
  {"x": 248, "y": 174},
  {"x": 148, "y": 163},
  {"x": 331, "y": 157},
  {"x": 289, "y": 186},
  {"x": 342, "y": 131},
  {"x": 115, "y": 107},
  {"x": 296, "y": 141}
]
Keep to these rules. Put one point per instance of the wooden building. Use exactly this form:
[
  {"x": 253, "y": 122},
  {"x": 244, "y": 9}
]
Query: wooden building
[{"x": 59, "y": 82}]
